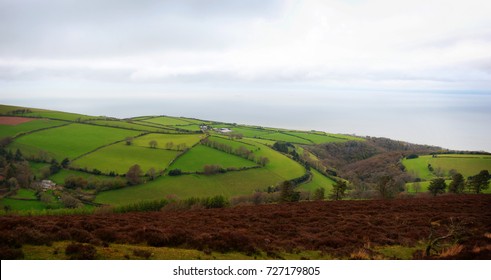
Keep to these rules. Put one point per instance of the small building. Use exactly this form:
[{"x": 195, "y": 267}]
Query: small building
[
  {"x": 48, "y": 185},
  {"x": 225, "y": 130}
]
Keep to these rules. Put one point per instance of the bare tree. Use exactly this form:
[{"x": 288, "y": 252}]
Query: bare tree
[{"x": 153, "y": 144}]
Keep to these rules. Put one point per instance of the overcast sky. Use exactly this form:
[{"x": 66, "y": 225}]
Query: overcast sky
[{"x": 410, "y": 70}]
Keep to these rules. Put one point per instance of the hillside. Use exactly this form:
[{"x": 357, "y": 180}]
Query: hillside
[
  {"x": 149, "y": 185},
  {"x": 90, "y": 157},
  {"x": 103, "y": 161}
]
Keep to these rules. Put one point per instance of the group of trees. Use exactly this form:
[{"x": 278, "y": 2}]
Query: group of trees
[
  {"x": 154, "y": 144},
  {"x": 473, "y": 184},
  {"x": 14, "y": 170}
]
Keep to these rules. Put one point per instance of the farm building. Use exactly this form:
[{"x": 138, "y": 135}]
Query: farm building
[
  {"x": 47, "y": 185},
  {"x": 224, "y": 130}
]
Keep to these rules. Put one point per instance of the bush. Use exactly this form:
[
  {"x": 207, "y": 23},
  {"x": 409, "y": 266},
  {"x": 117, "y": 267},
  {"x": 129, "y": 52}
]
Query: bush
[
  {"x": 78, "y": 251},
  {"x": 175, "y": 172},
  {"x": 142, "y": 253},
  {"x": 8, "y": 253}
]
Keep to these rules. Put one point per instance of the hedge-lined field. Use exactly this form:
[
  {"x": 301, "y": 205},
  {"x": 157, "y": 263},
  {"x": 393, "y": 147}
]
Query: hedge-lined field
[
  {"x": 69, "y": 141},
  {"x": 120, "y": 157}
]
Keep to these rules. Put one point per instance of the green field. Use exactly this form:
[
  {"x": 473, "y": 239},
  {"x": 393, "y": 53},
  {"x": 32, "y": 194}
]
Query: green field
[
  {"x": 196, "y": 158},
  {"x": 317, "y": 138},
  {"x": 468, "y": 165},
  {"x": 35, "y": 124},
  {"x": 191, "y": 127},
  {"x": 162, "y": 139},
  {"x": 120, "y": 157},
  {"x": 25, "y": 194},
  {"x": 249, "y": 131},
  {"x": 279, "y": 164},
  {"x": 233, "y": 143},
  {"x": 228, "y": 184},
  {"x": 130, "y": 125},
  {"x": 69, "y": 141},
  {"x": 169, "y": 121},
  {"x": 279, "y": 136},
  {"x": 318, "y": 181},
  {"x": 17, "y": 204}
]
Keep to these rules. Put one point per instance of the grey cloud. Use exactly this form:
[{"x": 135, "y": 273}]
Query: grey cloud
[{"x": 86, "y": 28}]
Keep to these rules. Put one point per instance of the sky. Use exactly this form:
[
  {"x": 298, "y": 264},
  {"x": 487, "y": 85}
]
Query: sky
[{"x": 418, "y": 71}]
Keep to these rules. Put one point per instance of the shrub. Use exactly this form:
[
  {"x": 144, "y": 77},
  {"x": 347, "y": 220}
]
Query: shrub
[
  {"x": 8, "y": 253},
  {"x": 78, "y": 251},
  {"x": 175, "y": 172},
  {"x": 142, "y": 253}
]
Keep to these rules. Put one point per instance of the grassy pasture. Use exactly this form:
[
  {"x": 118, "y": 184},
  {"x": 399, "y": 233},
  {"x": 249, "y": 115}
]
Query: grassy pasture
[
  {"x": 129, "y": 125},
  {"x": 279, "y": 136},
  {"x": 467, "y": 165},
  {"x": 233, "y": 143},
  {"x": 263, "y": 141},
  {"x": 250, "y": 132},
  {"x": 17, "y": 205},
  {"x": 319, "y": 138},
  {"x": 199, "y": 156},
  {"x": 279, "y": 164},
  {"x": 119, "y": 157},
  {"x": 318, "y": 181},
  {"x": 13, "y": 130},
  {"x": 25, "y": 194},
  {"x": 42, "y": 113},
  {"x": 228, "y": 184},
  {"x": 169, "y": 121},
  {"x": 163, "y": 139},
  {"x": 191, "y": 127},
  {"x": 69, "y": 141}
]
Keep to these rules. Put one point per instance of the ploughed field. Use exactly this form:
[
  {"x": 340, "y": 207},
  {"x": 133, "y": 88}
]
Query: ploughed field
[{"x": 339, "y": 229}]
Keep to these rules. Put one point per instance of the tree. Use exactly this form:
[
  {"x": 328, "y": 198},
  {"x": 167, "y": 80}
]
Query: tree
[
  {"x": 479, "y": 182},
  {"x": 437, "y": 186},
  {"x": 129, "y": 141},
  {"x": 458, "y": 183},
  {"x": 169, "y": 145},
  {"x": 210, "y": 169},
  {"x": 75, "y": 182},
  {"x": 152, "y": 173},
  {"x": 45, "y": 198},
  {"x": 70, "y": 201},
  {"x": 18, "y": 155},
  {"x": 65, "y": 162},
  {"x": 386, "y": 186},
  {"x": 263, "y": 161},
  {"x": 133, "y": 175},
  {"x": 54, "y": 167},
  {"x": 287, "y": 192},
  {"x": 338, "y": 190},
  {"x": 153, "y": 144},
  {"x": 175, "y": 172},
  {"x": 12, "y": 184},
  {"x": 319, "y": 194}
]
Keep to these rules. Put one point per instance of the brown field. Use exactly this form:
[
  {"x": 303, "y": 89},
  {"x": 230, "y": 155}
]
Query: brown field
[
  {"x": 14, "y": 120},
  {"x": 342, "y": 229}
]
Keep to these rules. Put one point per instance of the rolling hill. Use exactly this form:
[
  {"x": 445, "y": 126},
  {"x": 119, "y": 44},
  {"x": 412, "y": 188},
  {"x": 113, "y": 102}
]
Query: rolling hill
[{"x": 89, "y": 159}]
